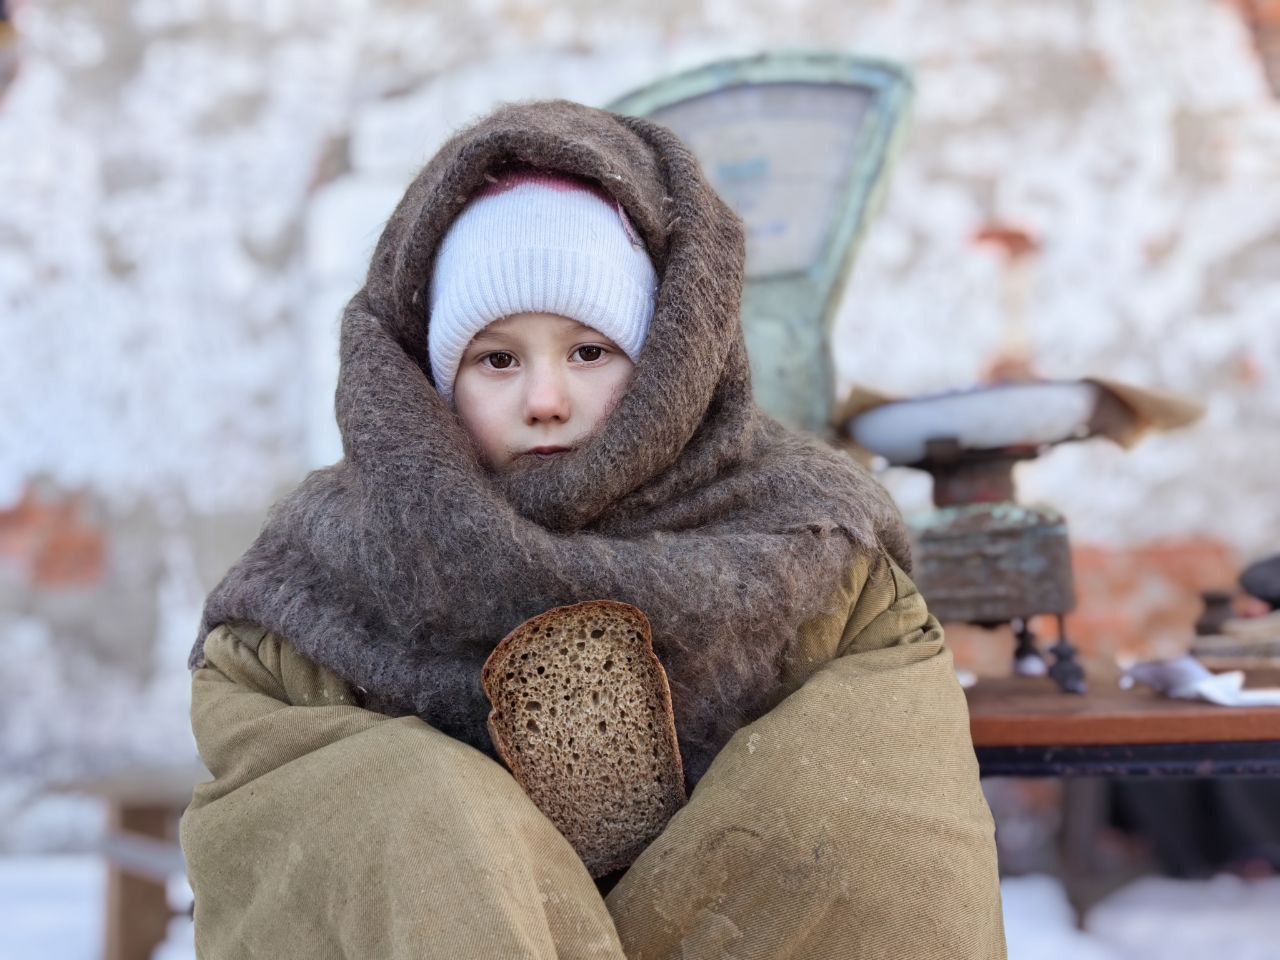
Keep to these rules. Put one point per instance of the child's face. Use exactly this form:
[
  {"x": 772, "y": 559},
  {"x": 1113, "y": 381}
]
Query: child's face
[{"x": 537, "y": 380}]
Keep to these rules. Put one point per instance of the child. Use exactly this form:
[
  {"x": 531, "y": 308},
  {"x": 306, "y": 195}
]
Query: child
[
  {"x": 537, "y": 242},
  {"x": 562, "y": 277}
]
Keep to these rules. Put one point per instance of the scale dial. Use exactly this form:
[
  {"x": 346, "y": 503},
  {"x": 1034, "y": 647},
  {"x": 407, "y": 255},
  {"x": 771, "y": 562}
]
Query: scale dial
[{"x": 781, "y": 155}]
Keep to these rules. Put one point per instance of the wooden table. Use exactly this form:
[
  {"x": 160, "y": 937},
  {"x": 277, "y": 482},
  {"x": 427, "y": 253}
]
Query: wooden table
[{"x": 1023, "y": 726}]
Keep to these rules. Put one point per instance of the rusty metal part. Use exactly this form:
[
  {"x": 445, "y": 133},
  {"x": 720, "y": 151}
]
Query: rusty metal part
[
  {"x": 1026, "y": 654},
  {"x": 963, "y": 476},
  {"x": 993, "y": 563},
  {"x": 982, "y": 558},
  {"x": 1066, "y": 671}
]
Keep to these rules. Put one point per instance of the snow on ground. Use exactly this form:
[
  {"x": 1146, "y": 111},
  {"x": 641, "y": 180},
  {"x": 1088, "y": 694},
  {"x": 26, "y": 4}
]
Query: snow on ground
[
  {"x": 52, "y": 909},
  {"x": 1225, "y": 917},
  {"x": 1039, "y": 923}
]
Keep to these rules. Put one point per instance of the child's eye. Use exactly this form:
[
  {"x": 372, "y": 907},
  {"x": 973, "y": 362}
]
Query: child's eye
[
  {"x": 599, "y": 352},
  {"x": 497, "y": 354}
]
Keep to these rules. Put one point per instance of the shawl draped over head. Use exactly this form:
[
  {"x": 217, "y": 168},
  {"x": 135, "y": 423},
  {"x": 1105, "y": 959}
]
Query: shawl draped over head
[{"x": 401, "y": 566}]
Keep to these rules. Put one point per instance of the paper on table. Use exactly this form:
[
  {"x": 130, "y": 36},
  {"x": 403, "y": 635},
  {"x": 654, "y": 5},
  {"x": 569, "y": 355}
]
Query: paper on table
[{"x": 1186, "y": 678}]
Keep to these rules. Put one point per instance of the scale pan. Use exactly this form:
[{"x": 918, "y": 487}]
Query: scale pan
[{"x": 984, "y": 418}]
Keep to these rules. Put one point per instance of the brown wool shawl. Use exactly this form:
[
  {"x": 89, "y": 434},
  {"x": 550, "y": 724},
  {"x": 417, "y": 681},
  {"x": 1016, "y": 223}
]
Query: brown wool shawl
[{"x": 401, "y": 566}]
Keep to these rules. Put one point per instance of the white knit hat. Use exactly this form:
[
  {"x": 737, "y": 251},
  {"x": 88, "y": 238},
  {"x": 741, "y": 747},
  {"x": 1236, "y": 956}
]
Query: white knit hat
[{"x": 539, "y": 243}]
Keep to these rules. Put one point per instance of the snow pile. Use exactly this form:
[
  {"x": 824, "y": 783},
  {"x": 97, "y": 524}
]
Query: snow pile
[{"x": 53, "y": 910}]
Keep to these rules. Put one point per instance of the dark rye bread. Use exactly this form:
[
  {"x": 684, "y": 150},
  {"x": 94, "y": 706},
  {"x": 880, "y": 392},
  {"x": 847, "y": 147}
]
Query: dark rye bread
[{"x": 582, "y": 718}]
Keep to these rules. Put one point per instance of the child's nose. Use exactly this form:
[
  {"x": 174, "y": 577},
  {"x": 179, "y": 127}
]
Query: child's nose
[{"x": 547, "y": 396}]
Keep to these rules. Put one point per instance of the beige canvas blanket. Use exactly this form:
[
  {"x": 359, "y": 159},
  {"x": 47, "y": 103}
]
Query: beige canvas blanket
[{"x": 847, "y": 822}]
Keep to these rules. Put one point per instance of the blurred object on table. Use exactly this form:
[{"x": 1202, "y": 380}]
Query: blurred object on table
[
  {"x": 1243, "y": 632},
  {"x": 1261, "y": 579},
  {"x": 1186, "y": 678}
]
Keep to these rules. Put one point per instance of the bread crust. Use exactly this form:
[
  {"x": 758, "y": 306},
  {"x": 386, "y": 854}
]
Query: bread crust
[{"x": 598, "y": 658}]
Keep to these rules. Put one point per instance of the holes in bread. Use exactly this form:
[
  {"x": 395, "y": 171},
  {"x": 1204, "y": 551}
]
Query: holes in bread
[
  {"x": 595, "y": 698},
  {"x": 603, "y": 727},
  {"x": 533, "y": 725},
  {"x": 581, "y": 644},
  {"x": 608, "y": 664},
  {"x": 597, "y": 633},
  {"x": 541, "y": 669},
  {"x": 534, "y": 705},
  {"x": 564, "y": 650}
]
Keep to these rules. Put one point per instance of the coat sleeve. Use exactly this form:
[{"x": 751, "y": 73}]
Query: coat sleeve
[
  {"x": 329, "y": 830},
  {"x": 853, "y": 805}
]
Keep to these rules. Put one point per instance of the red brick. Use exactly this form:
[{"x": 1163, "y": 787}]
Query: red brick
[
  {"x": 1263, "y": 18},
  {"x": 50, "y": 543},
  {"x": 1014, "y": 241}
]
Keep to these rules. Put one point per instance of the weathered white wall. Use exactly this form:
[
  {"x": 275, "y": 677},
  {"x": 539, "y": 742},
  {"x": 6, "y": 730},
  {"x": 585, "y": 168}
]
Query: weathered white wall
[
  {"x": 1139, "y": 143},
  {"x": 192, "y": 189},
  {"x": 160, "y": 159}
]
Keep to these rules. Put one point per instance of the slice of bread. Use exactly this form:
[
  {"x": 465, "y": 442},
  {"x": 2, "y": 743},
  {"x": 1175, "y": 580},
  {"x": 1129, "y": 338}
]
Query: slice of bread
[{"x": 582, "y": 718}]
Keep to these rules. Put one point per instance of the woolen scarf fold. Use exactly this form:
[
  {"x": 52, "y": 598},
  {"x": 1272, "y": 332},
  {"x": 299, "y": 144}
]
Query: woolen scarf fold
[{"x": 401, "y": 566}]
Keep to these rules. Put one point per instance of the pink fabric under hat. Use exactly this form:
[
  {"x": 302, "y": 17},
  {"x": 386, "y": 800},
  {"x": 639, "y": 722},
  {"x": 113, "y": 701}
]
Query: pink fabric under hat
[{"x": 538, "y": 242}]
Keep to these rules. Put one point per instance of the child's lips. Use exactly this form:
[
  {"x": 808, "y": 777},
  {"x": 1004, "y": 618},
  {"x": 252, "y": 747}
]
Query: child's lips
[{"x": 545, "y": 452}]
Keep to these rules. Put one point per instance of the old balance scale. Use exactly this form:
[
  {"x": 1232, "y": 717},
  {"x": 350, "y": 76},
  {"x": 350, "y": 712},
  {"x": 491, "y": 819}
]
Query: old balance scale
[
  {"x": 982, "y": 557},
  {"x": 799, "y": 144}
]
